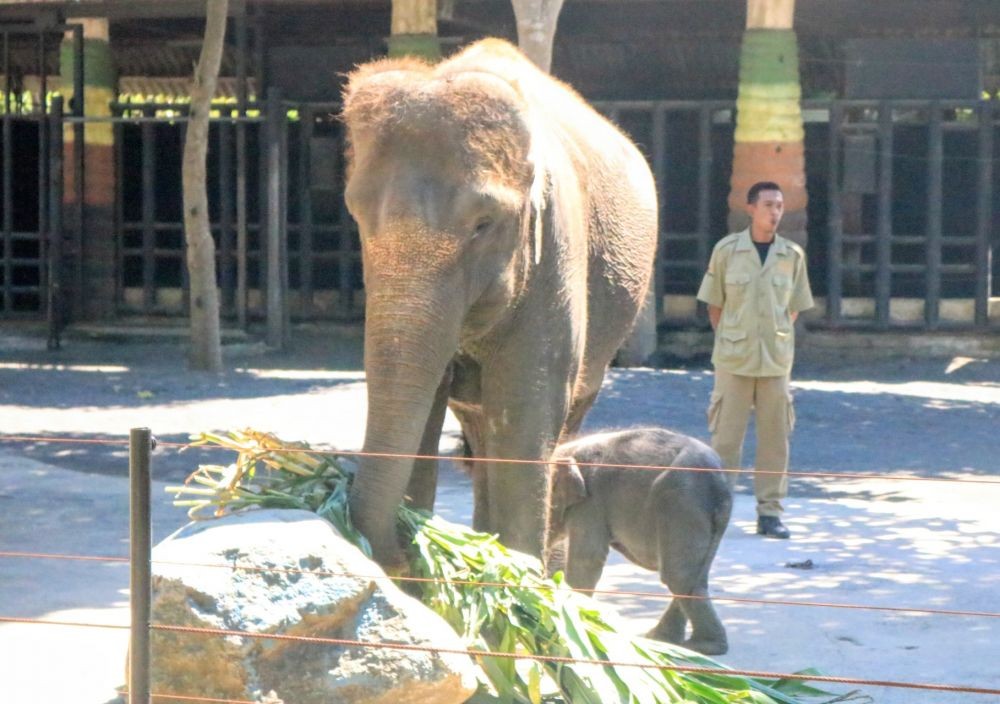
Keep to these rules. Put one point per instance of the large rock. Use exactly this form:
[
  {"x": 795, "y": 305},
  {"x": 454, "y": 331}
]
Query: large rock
[{"x": 275, "y": 596}]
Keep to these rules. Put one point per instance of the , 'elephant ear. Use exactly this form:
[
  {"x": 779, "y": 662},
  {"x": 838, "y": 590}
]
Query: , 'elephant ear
[
  {"x": 538, "y": 192},
  {"x": 568, "y": 487},
  {"x": 536, "y": 200}
]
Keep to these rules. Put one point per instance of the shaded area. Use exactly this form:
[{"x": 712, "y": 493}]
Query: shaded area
[
  {"x": 169, "y": 464},
  {"x": 838, "y": 431},
  {"x": 924, "y": 547}
]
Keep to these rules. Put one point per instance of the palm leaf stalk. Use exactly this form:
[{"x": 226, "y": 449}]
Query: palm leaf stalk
[{"x": 524, "y": 614}]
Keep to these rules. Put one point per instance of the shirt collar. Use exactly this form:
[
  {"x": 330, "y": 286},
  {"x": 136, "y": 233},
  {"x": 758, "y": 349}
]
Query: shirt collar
[{"x": 745, "y": 243}]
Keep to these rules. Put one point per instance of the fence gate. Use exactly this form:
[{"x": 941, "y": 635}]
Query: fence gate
[
  {"x": 886, "y": 256},
  {"x": 31, "y": 159}
]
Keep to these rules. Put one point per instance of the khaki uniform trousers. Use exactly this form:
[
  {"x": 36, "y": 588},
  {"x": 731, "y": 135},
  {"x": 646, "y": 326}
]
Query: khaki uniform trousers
[{"x": 733, "y": 398}]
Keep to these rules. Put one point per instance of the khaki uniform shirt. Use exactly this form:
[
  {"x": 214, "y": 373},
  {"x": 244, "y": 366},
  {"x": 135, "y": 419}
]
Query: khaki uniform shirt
[{"x": 755, "y": 335}]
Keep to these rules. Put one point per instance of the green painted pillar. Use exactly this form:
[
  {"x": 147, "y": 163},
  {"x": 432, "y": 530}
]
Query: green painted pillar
[
  {"x": 414, "y": 29},
  {"x": 769, "y": 132}
]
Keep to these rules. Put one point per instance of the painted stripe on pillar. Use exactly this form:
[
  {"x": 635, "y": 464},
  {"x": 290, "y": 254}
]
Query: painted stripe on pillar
[
  {"x": 768, "y": 141},
  {"x": 768, "y": 103}
]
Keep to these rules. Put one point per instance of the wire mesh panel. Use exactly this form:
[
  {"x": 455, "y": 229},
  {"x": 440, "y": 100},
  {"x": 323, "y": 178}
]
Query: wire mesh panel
[{"x": 29, "y": 55}]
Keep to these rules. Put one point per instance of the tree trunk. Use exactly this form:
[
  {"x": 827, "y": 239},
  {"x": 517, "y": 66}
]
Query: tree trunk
[
  {"x": 536, "y": 29},
  {"x": 769, "y": 133},
  {"x": 206, "y": 343}
]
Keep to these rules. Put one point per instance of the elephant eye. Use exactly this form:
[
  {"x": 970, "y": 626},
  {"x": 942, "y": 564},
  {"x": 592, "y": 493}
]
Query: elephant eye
[{"x": 482, "y": 226}]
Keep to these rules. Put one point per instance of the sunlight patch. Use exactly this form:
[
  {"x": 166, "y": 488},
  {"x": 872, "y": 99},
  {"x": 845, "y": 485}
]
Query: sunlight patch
[
  {"x": 95, "y": 368},
  {"x": 304, "y": 374},
  {"x": 919, "y": 389}
]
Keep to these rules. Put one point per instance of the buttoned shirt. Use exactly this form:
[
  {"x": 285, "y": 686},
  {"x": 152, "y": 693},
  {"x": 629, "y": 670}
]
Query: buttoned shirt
[{"x": 755, "y": 335}]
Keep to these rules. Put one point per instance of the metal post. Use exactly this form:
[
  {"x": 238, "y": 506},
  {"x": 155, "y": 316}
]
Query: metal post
[
  {"x": 306, "y": 125},
  {"x": 883, "y": 268},
  {"x": 275, "y": 264},
  {"x": 241, "y": 58},
  {"x": 835, "y": 222},
  {"x": 241, "y": 169},
  {"x": 704, "y": 197},
  {"x": 704, "y": 184},
  {"x": 241, "y": 223},
  {"x": 140, "y": 550},
  {"x": 55, "y": 229},
  {"x": 148, "y": 132},
  {"x": 79, "y": 165},
  {"x": 43, "y": 206},
  {"x": 345, "y": 258},
  {"x": 286, "y": 308},
  {"x": 78, "y": 71},
  {"x": 8, "y": 211},
  {"x": 118, "y": 137},
  {"x": 260, "y": 50},
  {"x": 935, "y": 162},
  {"x": 43, "y": 87},
  {"x": 185, "y": 274},
  {"x": 659, "y": 171},
  {"x": 984, "y": 214},
  {"x": 8, "y": 82},
  {"x": 225, "y": 257}
]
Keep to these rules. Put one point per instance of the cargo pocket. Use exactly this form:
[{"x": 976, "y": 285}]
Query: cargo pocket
[
  {"x": 736, "y": 290},
  {"x": 733, "y": 344},
  {"x": 714, "y": 408},
  {"x": 784, "y": 346},
  {"x": 782, "y": 290},
  {"x": 791, "y": 413}
]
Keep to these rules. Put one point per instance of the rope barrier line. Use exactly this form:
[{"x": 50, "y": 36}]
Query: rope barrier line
[
  {"x": 187, "y": 698},
  {"x": 344, "y": 642},
  {"x": 611, "y": 592},
  {"x": 500, "y": 460},
  {"x": 63, "y": 441},
  {"x": 58, "y": 556},
  {"x": 190, "y": 698},
  {"x": 75, "y": 624},
  {"x": 471, "y": 583}
]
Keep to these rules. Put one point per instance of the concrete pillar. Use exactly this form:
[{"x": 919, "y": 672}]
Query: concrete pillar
[
  {"x": 769, "y": 131},
  {"x": 97, "y": 282},
  {"x": 414, "y": 29}
]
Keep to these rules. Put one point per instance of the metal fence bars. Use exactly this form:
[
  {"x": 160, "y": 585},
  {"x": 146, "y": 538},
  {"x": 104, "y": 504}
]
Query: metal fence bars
[{"x": 901, "y": 202}]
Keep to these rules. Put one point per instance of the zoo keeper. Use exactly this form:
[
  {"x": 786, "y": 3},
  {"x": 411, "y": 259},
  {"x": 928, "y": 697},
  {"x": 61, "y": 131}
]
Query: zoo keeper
[{"x": 755, "y": 287}]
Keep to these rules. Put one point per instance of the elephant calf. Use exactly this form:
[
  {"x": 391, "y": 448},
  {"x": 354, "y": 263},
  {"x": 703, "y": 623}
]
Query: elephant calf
[{"x": 670, "y": 521}]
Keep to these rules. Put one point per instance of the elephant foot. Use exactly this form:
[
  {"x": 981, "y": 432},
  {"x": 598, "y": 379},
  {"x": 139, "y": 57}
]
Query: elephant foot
[
  {"x": 390, "y": 556},
  {"x": 667, "y": 634},
  {"x": 707, "y": 646}
]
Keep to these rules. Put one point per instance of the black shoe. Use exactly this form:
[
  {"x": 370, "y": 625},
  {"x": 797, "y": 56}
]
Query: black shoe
[{"x": 772, "y": 527}]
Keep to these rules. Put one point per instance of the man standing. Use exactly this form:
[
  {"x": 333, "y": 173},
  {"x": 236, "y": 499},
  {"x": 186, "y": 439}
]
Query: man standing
[{"x": 755, "y": 287}]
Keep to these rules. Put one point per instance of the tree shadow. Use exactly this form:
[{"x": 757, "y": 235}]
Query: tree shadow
[
  {"x": 871, "y": 428},
  {"x": 924, "y": 553}
]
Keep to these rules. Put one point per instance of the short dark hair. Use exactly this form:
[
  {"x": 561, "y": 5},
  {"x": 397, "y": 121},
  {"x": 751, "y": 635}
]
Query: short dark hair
[{"x": 761, "y": 186}]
